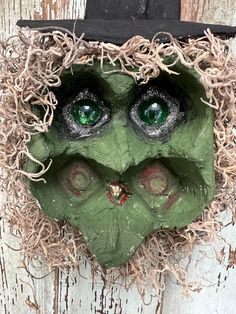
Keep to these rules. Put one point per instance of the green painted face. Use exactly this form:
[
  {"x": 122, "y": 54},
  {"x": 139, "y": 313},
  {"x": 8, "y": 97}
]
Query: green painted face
[{"x": 127, "y": 159}]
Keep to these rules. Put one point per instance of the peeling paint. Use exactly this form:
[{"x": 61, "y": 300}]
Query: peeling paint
[
  {"x": 208, "y": 11},
  {"x": 12, "y": 11},
  {"x": 231, "y": 258}
]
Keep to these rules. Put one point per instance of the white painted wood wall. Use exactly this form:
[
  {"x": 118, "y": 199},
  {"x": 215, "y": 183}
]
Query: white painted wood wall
[{"x": 74, "y": 293}]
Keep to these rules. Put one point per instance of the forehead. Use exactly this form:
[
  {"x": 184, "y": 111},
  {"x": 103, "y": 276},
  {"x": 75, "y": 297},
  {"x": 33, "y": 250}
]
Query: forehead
[{"x": 108, "y": 82}]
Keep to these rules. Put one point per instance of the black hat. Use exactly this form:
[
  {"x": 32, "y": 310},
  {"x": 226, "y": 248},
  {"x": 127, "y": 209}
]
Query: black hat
[{"x": 116, "y": 21}]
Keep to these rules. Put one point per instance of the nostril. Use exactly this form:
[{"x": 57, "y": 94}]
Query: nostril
[
  {"x": 154, "y": 179},
  {"x": 118, "y": 192}
]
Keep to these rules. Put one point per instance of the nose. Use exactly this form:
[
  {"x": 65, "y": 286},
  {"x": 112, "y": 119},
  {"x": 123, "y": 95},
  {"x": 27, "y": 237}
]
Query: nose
[{"x": 113, "y": 150}]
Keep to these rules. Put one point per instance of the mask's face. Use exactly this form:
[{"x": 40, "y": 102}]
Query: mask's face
[{"x": 127, "y": 159}]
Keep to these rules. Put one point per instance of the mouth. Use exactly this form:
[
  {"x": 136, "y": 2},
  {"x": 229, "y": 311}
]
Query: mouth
[
  {"x": 113, "y": 211},
  {"x": 151, "y": 178}
]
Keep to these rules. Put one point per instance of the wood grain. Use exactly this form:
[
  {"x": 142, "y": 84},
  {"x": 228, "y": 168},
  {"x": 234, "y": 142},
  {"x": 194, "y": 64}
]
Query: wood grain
[
  {"x": 19, "y": 292},
  {"x": 209, "y": 11},
  {"x": 12, "y": 11},
  {"x": 217, "y": 277},
  {"x": 62, "y": 9}
]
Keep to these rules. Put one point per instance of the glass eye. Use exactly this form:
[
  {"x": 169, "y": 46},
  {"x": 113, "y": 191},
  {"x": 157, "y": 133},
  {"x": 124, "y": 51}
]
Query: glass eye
[
  {"x": 156, "y": 114},
  {"x": 86, "y": 112},
  {"x": 153, "y": 111},
  {"x": 84, "y": 115}
]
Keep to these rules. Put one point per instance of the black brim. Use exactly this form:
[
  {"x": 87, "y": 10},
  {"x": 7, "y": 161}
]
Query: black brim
[{"x": 119, "y": 31}]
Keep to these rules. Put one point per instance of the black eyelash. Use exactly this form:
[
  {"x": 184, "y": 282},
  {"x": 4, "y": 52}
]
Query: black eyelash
[{"x": 163, "y": 131}]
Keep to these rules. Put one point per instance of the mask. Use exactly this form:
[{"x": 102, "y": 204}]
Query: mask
[{"x": 127, "y": 159}]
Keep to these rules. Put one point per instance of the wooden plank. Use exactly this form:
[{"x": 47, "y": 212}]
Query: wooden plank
[
  {"x": 69, "y": 292},
  {"x": 209, "y": 11},
  {"x": 81, "y": 294},
  {"x": 12, "y": 11},
  {"x": 61, "y": 9},
  {"x": 218, "y": 279},
  {"x": 19, "y": 292}
]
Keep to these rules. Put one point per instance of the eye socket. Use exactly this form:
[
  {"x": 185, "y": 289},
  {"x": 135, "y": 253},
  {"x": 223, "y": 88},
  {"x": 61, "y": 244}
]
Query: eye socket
[
  {"x": 84, "y": 115},
  {"x": 156, "y": 114}
]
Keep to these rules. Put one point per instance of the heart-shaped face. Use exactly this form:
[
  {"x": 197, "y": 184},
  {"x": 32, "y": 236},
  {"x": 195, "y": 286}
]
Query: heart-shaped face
[{"x": 127, "y": 159}]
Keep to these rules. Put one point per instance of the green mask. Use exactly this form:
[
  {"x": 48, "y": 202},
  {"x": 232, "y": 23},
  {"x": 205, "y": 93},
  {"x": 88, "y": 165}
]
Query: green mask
[{"x": 127, "y": 159}]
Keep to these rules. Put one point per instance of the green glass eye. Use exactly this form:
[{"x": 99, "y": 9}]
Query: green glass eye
[
  {"x": 86, "y": 112},
  {"x": 153, "y": 111}
]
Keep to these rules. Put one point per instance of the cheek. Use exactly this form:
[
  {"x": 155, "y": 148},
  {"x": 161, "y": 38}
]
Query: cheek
[
  {"x": 153, "y": 179},
  {"x": 156, "y": 185},
  {"x": 79, "y": 179}
]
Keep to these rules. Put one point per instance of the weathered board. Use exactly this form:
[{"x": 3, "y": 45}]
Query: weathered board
[
  {"x": 74, "y": 292},
  {"x": 209, "y": 11}
]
